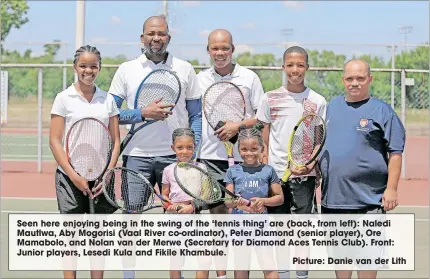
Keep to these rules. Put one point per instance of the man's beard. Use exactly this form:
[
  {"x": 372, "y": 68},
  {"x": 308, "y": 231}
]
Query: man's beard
[{"x": 149, "y": 52}]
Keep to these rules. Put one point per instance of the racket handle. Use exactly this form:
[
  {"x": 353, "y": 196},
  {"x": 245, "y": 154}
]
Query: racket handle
[
  {"x": 91, "y": 203},
  {"x": 230, "y": 161},
  {"x": 286, "y": 176},
  {"x": 247, "y": 202}
]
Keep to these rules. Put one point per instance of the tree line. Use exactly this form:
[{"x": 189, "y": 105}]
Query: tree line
[{"x": 23, "y": 81}]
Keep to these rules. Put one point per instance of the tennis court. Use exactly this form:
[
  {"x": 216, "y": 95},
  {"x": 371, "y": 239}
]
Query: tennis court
[{"x": 25, "y": 191}]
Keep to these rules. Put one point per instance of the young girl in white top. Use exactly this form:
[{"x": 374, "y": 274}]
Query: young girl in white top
[{"x": 82, "y": 99}]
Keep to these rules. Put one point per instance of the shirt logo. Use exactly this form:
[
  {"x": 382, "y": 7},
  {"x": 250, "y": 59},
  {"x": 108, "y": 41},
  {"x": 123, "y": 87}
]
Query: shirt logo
[
  {"x": 364, "y": 122},
  {"x": 363, "y": 125}
]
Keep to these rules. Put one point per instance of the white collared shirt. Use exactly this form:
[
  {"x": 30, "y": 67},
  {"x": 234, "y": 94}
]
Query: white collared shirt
[
  {"x": 156, "y": 138},
  {"x": 252, "y": 89},
  {"x": 73, "y": 107}
]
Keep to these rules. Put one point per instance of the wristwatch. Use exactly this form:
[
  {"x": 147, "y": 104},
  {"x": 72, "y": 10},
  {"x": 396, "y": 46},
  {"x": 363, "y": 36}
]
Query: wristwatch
[{"x": 242, "y": 127}]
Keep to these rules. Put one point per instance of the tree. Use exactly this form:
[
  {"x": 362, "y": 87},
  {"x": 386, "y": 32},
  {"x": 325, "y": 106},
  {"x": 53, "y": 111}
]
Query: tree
[{"x": 12, "y": 14}]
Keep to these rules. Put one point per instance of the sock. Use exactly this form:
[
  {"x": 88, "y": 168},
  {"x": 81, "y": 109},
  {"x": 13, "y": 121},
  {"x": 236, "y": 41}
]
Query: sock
[
  {"x": 284, "y": 274},
  {"x": 222, "y": 277},
  {"x": 128, "y": 274},
  {"x": 302, "y": 274}
]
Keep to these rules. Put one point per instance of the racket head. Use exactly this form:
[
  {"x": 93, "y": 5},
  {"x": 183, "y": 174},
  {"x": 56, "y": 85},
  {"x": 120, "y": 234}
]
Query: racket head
[
  {"x": 223, "y": 101},
  {"x": 128, "y": 190},
  {"x": 197, "y": 183},
  {"x": 307, "y": 140},
  {"x": 160, "y": 83},
  {"x": 89, "y": 148}
]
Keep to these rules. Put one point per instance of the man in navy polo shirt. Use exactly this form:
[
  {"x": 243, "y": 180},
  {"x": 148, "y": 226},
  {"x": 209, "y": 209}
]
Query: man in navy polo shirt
[{"x": 362, "y": 156}]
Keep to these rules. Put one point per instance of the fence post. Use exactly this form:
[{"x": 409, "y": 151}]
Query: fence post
[
  {"x": 403, "y": 117},
  {"x": 40, "y": 119}
]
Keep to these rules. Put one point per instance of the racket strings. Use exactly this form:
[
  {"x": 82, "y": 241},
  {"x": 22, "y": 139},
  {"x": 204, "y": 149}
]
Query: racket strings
[
  {"x": 160, "y": 84},
  {"x": 223, "y": 101},
  {"x": 89, "y": 148},
  {"x": 198, "y": 184},
  {"x": 307, "y": 138},
  {"x": 128, "y": 190}
]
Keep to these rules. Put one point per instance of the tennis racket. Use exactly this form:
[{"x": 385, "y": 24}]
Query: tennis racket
[
  {"x": 130, "y": 191},
  {"x": 198, "y": 184},
  {"x": 223, "y": 101},
  {"x": 305, "y": 142},
  {"x": 89, "y": 150},
  {"x": 158, "y": 84}
]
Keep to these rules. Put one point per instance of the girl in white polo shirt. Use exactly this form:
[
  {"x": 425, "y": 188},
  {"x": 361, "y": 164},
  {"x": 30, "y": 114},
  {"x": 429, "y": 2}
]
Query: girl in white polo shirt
[{"x": 82, "y": 99}]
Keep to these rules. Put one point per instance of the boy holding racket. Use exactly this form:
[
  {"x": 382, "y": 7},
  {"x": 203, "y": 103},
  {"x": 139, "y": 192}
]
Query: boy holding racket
[
  {"x": 279, "y": 111},
  {"x": 81, "y": 100}
]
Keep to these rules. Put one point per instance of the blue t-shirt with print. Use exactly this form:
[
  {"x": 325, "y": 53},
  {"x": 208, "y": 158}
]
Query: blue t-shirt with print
[{"x": 251, "y": 182}]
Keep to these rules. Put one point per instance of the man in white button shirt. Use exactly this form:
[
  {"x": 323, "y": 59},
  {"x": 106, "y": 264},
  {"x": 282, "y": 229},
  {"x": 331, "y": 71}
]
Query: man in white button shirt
[
  {"x": 149, "y": 151},
  {"x": 212, "y": 151}
]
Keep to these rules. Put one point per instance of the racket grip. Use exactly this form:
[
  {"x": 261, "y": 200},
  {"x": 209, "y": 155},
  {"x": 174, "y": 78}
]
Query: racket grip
[
  {"x": 286, "y": 176},
  {"x": 230, "y": 161},
  {"x": 91, "y": 204},
  {"x": 247, "y": 202}
]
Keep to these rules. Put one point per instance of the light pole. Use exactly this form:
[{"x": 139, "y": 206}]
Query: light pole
[
  {"x": 392, "y": 48},
  {"x": 80, "y": 26},
  {"x": 165, "y": 9},
  {"x": 403, "y": 29},
  {"x": 287, "y": 32}
]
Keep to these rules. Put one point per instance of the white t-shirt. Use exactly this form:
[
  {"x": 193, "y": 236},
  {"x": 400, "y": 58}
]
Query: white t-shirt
[
  {"x": 248, "y": 81},
  {"x": 73, "y": 107},
  {"x": 282, "y": 110},
  {"x": 156, "y": 138}
]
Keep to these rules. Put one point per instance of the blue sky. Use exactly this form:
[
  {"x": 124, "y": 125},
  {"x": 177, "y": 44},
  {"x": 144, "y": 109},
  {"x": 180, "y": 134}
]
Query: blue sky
[{"x": 255, "y": 25}]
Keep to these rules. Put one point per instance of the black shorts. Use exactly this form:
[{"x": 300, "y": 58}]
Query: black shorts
[
  {"x": 299, "y": 197},
  {"x": 72, "y": 201}
]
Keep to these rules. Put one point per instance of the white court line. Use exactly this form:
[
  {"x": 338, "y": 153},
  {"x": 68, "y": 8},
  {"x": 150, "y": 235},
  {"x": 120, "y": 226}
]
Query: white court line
[{"x": 54, "y": 199}]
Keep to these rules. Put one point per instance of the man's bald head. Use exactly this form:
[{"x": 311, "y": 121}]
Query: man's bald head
[
  {"x": 220, "y": 35},
  {"x": 157, "y": 20},
  {"x": 357, "y": 63}
]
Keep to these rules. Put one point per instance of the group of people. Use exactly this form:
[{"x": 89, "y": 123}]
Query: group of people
[{"x": 360, "y": 162}]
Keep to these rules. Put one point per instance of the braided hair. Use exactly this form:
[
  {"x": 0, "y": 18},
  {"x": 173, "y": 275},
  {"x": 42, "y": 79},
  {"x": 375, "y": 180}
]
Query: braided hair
[
  {"x": 254, "y": 132},
  {"x": 89, "y": 49},
  {"x": 183, "y": 132}
]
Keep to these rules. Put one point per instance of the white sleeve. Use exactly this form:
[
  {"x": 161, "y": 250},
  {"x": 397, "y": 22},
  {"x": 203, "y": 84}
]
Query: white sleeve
[
  {"x": 113, "y": 109},
  {"x": 263, "y": 112},
  {"x": 58, "y": 107},
  {"x": 257, "y": 93},
  {"x": 118, "y": 85},
  {"x": 323, "y": 109},
  {"x": 193, "y": 92}
]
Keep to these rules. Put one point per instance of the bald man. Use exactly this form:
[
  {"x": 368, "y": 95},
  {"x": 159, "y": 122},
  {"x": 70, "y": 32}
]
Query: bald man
[
  {"x": 362, "y": 156},
  {"x": 149, "y": 152},
  {"x": 212, "y": 153}
]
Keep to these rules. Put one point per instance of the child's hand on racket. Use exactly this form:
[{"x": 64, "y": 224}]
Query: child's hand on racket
[
  {"x": 82, "y": 184},
  {"x": 156, "y": 111},
  {"x": 227, "y": 131},
  {"x": 257, "y": 204},
  {"x": 298, "y": 171}
]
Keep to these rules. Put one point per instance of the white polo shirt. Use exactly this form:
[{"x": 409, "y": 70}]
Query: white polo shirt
[
  {"x": 282, "y": 110},
  {"x": 73, "y": 107},
  {"x": 156, "y": 138},
  {"x": 252, "y": 89}
]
